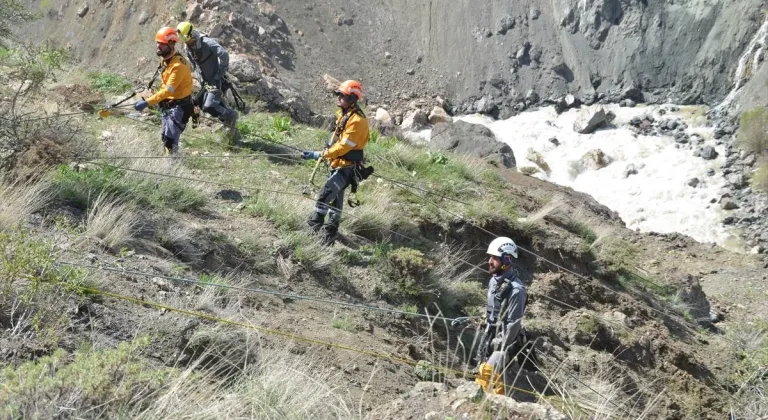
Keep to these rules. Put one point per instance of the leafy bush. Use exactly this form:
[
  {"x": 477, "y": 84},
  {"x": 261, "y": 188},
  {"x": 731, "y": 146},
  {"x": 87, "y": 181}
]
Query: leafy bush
[
  {"x": 753, "y": 130},
  {"x": 411, "y": 272},
  {"x": 282, "y": 124},
  {"x": 109, "y": 82},
  {"x": 30, "y": 139}
]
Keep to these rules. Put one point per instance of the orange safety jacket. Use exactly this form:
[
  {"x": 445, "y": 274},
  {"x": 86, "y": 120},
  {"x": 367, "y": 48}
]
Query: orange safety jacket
[
  {"x": 349, "y": 139},
  {"x": 176, "y": 78}
]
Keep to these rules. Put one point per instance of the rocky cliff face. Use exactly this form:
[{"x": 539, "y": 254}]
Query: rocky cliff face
[
  {"x": 487, "y": 57},
  {"x": 492, "y": 57}
]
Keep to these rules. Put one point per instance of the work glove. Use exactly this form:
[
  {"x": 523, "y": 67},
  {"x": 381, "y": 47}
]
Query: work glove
[
  {"x": 141, "y": 105},
  {"x": 311, "y": 155}
]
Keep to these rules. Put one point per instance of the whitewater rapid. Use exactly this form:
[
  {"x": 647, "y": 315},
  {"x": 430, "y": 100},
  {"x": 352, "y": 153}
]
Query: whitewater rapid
[{"x": 657, "y": 198}]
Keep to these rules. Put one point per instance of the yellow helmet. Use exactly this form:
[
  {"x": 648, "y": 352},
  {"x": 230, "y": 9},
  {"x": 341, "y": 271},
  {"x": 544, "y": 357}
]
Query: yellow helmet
[{"x": 185, "y": 30}]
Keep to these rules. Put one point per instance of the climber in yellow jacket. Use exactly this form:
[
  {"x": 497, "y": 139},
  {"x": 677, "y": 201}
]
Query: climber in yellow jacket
[
  {"x": 175, "y": 95},
  {"x": 344, "y": 152}
]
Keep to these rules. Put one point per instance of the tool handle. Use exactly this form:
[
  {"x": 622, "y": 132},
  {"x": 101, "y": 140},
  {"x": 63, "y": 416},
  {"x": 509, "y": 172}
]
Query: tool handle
[
  {"x": 133, "y": 93},
  {"x": 314, "y": 171}
]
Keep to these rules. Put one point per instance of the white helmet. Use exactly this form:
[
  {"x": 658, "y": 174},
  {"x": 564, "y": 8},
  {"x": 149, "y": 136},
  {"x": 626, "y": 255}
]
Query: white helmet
[{"x": 502, "y": 245}]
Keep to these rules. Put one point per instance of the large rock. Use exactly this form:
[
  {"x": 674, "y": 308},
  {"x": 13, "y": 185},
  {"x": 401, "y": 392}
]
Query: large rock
[
  {"x": 438, "y": 115},
  {"x": 244, "y": 67},
  {"x": 281, "y": 96},
  {"x": 383, "y": 118},
  {"x": 594, "y": 159},
  {"x": 538, "y": 159},
  {"x": 331, "y": 83},
  {"x": 415, "y": 120},
  {"x": 194, "y": 11},
  {"x": 590, "y": 120},
  {"x": 706, "y": 153},
  {"x": 471, "y": 139}
]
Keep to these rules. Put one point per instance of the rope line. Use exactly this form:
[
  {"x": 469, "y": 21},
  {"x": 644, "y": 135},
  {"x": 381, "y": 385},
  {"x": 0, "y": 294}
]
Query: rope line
[{"x": 264, "y": 292}]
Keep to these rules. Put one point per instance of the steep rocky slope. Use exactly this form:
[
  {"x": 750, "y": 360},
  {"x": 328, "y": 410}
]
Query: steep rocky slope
[{"x": 507, "y": 52}]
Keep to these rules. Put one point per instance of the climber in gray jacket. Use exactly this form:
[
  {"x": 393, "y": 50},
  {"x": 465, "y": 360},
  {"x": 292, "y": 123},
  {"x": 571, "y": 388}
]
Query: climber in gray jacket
[{"x": 211, "y": 60}]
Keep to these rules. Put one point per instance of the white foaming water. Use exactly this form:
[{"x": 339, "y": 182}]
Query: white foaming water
[
  {"x": 754, "y": 51},
  {"x": 657, "y": 198}
]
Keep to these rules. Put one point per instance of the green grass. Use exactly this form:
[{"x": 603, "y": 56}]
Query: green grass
[
  {"x": 282, "y": 124},
  {"x": 277, "y": 210},
  {"x": 106, "y": 381},
  {"x": 217, "y": 281},
  {"x": 82, "y": 187},
  {"x": 343, "y": 323},
  {"x": 588, "y": 324},
  {"x": 109, "y": 82}
]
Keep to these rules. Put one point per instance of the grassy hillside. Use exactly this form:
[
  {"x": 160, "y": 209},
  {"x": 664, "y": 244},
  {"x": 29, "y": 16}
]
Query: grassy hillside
[{"x": 259, "y": 332}]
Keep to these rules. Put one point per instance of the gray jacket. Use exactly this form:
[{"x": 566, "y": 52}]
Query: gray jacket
[
  {"x": 209, "y": 58},
  {"x": 506, "y": 292}
]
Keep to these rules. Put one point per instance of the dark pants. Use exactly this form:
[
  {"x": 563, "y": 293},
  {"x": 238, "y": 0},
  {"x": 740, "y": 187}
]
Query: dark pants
[
  {"x": 330, "y": 202},
  {"x": 174, "y": 121},
  {"x": 213, "y": 104}
]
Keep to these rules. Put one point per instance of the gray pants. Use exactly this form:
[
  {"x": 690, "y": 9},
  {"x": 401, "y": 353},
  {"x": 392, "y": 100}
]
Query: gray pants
[
  {"x": 330, "y": 202},
  {"x": 214, "y": 104},
  {"x": 174, "y": 121}
]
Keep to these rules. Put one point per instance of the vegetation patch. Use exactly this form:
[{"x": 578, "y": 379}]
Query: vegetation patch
[
  {"x": 82, "y": 187},
  {"x": 109, "y": 82}
]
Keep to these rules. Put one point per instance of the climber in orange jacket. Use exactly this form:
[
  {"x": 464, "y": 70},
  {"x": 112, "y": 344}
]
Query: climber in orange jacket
[
  {"x": 175, "y": 95},
  {"x": 345, "y": 154}
]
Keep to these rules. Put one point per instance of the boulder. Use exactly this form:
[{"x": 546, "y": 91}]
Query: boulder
[
  {"x": 590, "y": 120},
  {"x": 631, "y": 169},
  {"x": 281, "y": 96},
  {"x": 693, "y": 182},
  {"x": 506, "y": 23},
  {"x": 438, "y": 115},
  {"x": 538, "y": 159},
  {"x": 728, "y": 204},
  {"x": 415, "y": 120},
  {"x": 473, "y": 140},
  {"x": 244, "y": 67},
  {"x": 83, "y": 10},
  {"x": 571, "y": 101},
  {"x": 706, "y": 153},
  {"x": 594, "y": 159},
  {"x": 331, "y": 83},
  {"x": 194, "y": 11},
  {"x": 383, "y": 118}
]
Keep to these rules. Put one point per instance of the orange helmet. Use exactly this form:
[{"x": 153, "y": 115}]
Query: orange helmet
[
  {"x": 351, "y": 88},
  {"x": 167, "y": 35}
]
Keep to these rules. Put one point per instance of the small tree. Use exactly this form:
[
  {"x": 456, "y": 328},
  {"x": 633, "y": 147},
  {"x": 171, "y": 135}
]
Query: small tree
[
  {"x": 753, "y": 130},
  {"x": 29, "y": 137}
]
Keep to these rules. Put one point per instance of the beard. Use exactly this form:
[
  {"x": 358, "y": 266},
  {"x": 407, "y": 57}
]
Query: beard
[{"x": 164, "y": 51}]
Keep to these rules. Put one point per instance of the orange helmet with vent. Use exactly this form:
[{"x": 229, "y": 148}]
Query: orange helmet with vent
[
  {"x": 351, "y": 88},
  {"x": 167, "y": 35}
]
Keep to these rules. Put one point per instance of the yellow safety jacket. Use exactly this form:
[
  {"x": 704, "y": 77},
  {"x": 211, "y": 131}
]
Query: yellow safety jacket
[
  {"x": 177, "y": 80},
  {"x": 349, "y": 139}
]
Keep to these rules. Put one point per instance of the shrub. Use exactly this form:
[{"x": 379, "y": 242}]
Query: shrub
[
  {"x": 753, "y": 130},
  {"x": 760, "y": 178},
  {"x": 109, "y": 82},
  {"x": 113, "y": 222},
  {"x": 91, "y": 383}
]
